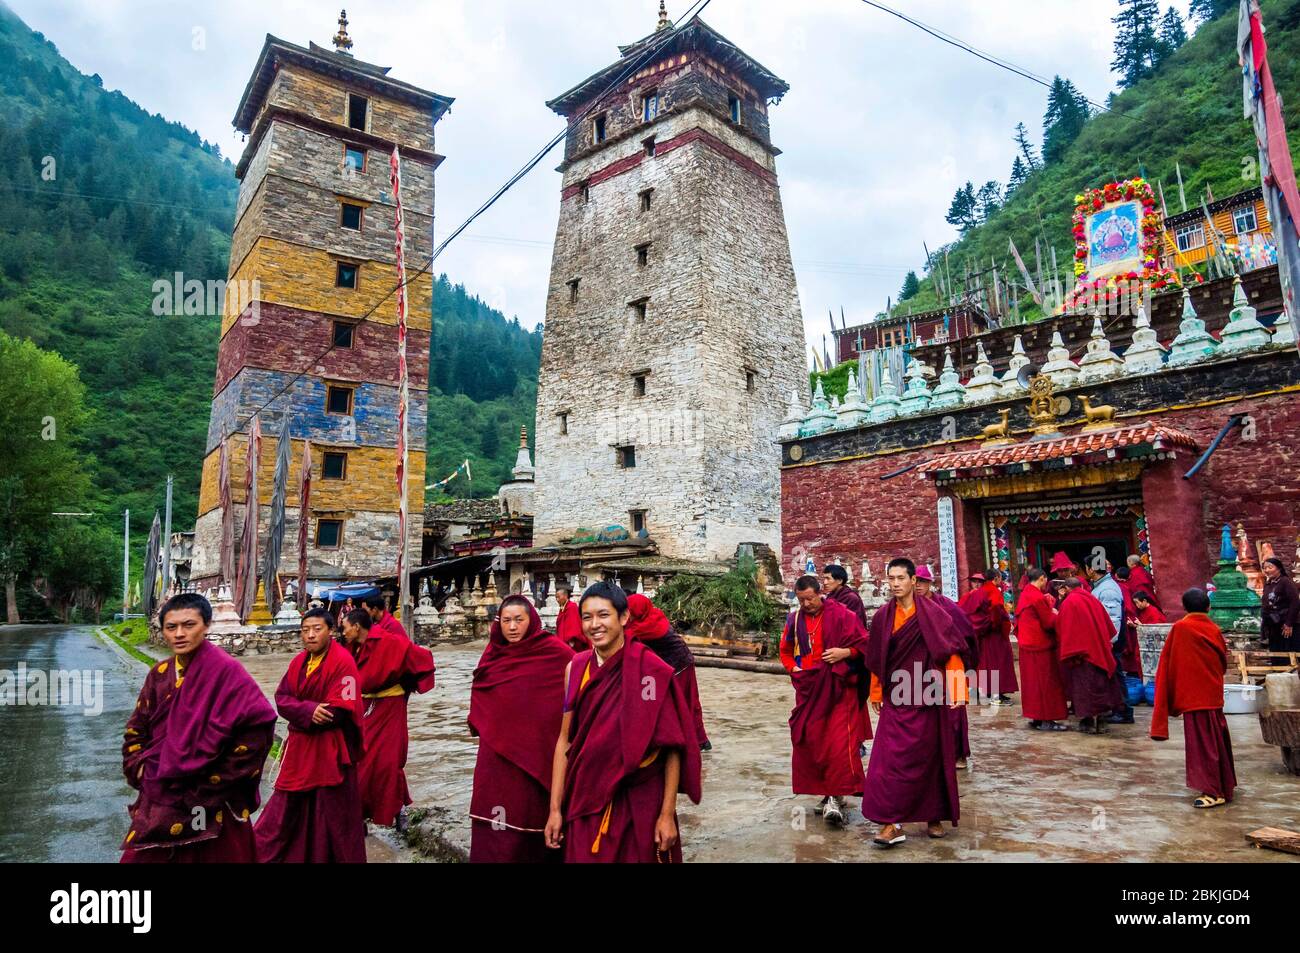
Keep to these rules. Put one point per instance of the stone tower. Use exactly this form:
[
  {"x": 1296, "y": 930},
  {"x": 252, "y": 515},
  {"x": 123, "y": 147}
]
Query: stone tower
[
  {"x": 308, "y": 310},
  {"x": 673, "y": 334}
]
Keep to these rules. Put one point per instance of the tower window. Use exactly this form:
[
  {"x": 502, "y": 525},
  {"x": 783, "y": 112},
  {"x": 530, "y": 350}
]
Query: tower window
[
  {"x": 564, "y": 422},
  {"x": 350, "y": 216},
  {"x": 649, "y": 146},
  {"x": 643, "y": 254},
  {"x": 751, "y": 381},
  {"x": 335, "y": 465},
  {"x": 584, "y": 192},
  {"x": 650, "y": 106},
  {"x": 638, "y": 385},
  {"x": 329, "y": 534},
  {"x": 733, "y": 107},
  {"x": 598, "y": 129},
  {"x": 345, "y": 276},
  {"x": 637, "y": 519},
  {"x": 639, "y": 308},
  {"x": 344, "y": 333},
  {"x": 625, "y": 457},
  {"x": 354, "y": 159},
  {"x": 358, "y": 106},
  {"x": 644, "y": 196},
  {"x": 338, "y": 399},
  {"x": 573, "y": 290}
]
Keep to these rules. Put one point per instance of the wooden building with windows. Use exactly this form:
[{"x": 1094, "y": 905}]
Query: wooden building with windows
[
  {"x": 309, "y": 342},
  {"x": 1236, "y": 223}
]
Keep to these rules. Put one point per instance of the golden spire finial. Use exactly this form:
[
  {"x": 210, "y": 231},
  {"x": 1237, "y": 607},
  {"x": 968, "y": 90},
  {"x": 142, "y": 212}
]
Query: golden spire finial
[
  {"x": 664, "y": 22},
  {"x": 342, "y": 42},
  {"x": 523, "y": 436}
]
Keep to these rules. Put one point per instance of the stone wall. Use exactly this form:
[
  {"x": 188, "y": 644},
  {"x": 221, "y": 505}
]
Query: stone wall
[{"x": 721, "y": 304}]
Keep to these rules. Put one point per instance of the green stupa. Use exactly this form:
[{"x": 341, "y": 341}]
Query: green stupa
[{"x": 1232, "y": 599}]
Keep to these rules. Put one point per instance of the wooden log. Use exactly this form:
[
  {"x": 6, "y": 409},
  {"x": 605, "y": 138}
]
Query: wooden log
[
  {"x": 1276, "y": 838},
  {"x": 741, "y": 665},
  {"x": 1280, "y": 726}
]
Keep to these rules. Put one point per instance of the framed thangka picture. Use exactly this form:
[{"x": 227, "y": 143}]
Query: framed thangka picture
[{"x": 1114, "y": 237}]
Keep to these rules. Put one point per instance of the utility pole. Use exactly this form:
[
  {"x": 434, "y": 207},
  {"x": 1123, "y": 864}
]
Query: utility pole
[
  {"x": 167, "y": 543},
  {"x": 126, "y": 561}
]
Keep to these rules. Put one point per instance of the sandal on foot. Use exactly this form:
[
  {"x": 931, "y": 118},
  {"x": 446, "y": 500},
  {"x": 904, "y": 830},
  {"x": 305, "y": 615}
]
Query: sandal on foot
[{"x": 1205, "y": 800}]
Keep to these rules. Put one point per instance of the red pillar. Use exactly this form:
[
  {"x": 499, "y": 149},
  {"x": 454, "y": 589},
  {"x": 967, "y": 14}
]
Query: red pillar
[{"x": 1174, "y": 520}]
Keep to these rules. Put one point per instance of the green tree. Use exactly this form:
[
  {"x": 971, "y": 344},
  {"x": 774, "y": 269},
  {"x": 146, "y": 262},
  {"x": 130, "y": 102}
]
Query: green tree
[
  {"x": 41, "y": 467},
  {"x": 988, "y": 200},
  {"x": 1206, "y": 10},
  {"x": 1067, "y": 112},
  {"x": 1018, "y": 175},
  {"x": 1137, "y": 48},
  {"x": 1025, "y": 148},
  {"x": 1172, "y": 33},
  {"x": 963, "y": 212},
  {"x": 911, "y": 285}
]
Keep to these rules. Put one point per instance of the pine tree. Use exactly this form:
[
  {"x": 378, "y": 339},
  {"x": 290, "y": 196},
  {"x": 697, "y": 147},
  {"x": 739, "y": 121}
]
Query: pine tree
[
  {"x": 963, "y": 211},
  {"x": 1067, "y": 111},
  {"x": 1172, "y": 34},
  {"x": 1018, "y": 175},
  {"x": 911, "y": 286},
  {"x": 1206, "y": 10},
  {"x": 1026, "y": 149},
  {"x": 1137, "y": 48},
  {"x": 988, "y": 200}
]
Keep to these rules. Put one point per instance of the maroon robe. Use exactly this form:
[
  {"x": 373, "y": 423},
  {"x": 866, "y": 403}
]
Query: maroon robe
[
  {"x": 1139, "y": 580},
  {"x": 568, "y": 627},
  {"x": 912, "y": 773},
  {"x": 392, "y": 668},
  {"x": 314, "y": 814},
  {"x": 1084, "y": 630},
  {"x": 995, "y": 671},
  {"x": 1189, "y": 682},
  {"x": 826, "y": 724},
  {"x": 516, "y": 705},
  {"x": 647, "y": 623},
  {"x": 200, "y": 744},
  {"x": 961, "y": 719},
  {"x": 1042, "y": 691},
  {"x": 628, "y": 715}
]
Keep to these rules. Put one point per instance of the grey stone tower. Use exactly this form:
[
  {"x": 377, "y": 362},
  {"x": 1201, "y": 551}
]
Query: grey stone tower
[{"x": 673, "y": 333}]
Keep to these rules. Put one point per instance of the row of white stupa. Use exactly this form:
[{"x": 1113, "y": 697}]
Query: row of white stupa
[{"x": 1145, "y": 354}]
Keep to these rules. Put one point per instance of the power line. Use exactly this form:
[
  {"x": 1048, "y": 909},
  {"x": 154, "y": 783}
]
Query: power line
[{"x": 635, "y": 63}]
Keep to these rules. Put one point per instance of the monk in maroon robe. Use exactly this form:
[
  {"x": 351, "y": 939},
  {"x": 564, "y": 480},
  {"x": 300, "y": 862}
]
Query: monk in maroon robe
[
  {"x": 381, "y": 618},
  {"x": 1042, "y": 693},
  {"x": 627, "y": 745},
  {"x": 1145, "y": 611},
  {"x": 568, "y": 625},
  {"x": 515, "y": 708},
  {"x": 314, "y": 815},
  {"x": 1084, "y": 632},
  {"x": 1139, "y": 577},
  {"x": 822, "y": 648},
  {"x": 392, "y": 668},
  {"x": 995, "y": 672},
  {"x": 912, "y": 773},
  {"x": 1189, "y": 682},
  {"x": 925, "y": 589},
  {"x": 194, "y": 748},
  {"x": 647, "y": 623}
]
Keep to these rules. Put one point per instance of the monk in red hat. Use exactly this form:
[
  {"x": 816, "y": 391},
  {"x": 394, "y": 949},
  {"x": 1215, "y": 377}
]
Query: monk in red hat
[
  {"x": 314, "y": 815},
  {"x": 1085, "y": 633},
  {"x": 1189, "y": 682},
  {"x": 822, "y": 648},
  {"x": 627, "y": 746},
  {"x": 647, "y": 623},
  {"x": 925, "y": 589},
  {"x": 1042, "y": 693},
  {"x": 392, "y": 668},
  {"x": 987, "y": 611},
  {"x": 194, "y": 749},
  {"x": 1062, "y": 566},
  {"x": 515, "y": 710}
]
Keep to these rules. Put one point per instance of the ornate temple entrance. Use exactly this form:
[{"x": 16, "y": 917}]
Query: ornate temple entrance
[{"x": 1021, "y": 532}]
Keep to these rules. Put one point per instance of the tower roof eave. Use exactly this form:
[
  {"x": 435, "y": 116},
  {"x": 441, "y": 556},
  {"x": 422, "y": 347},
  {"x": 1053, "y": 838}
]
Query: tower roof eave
[
  {"x": 694, "y": 35},
  {"x": 331, "y": 63}
]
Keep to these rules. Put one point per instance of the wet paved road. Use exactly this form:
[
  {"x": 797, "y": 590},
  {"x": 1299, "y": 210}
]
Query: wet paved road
[{"x": 1028, "y": 795}]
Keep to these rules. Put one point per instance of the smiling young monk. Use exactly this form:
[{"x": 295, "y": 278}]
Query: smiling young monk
[
  {"x": 627, "y": 745},
  {"x": 194, "y": 749},
  {"x": 515, "y": 709}
]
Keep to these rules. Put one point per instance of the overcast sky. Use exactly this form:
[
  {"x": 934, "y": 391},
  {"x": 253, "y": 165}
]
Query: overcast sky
[{"x": 882, "y": 122}]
